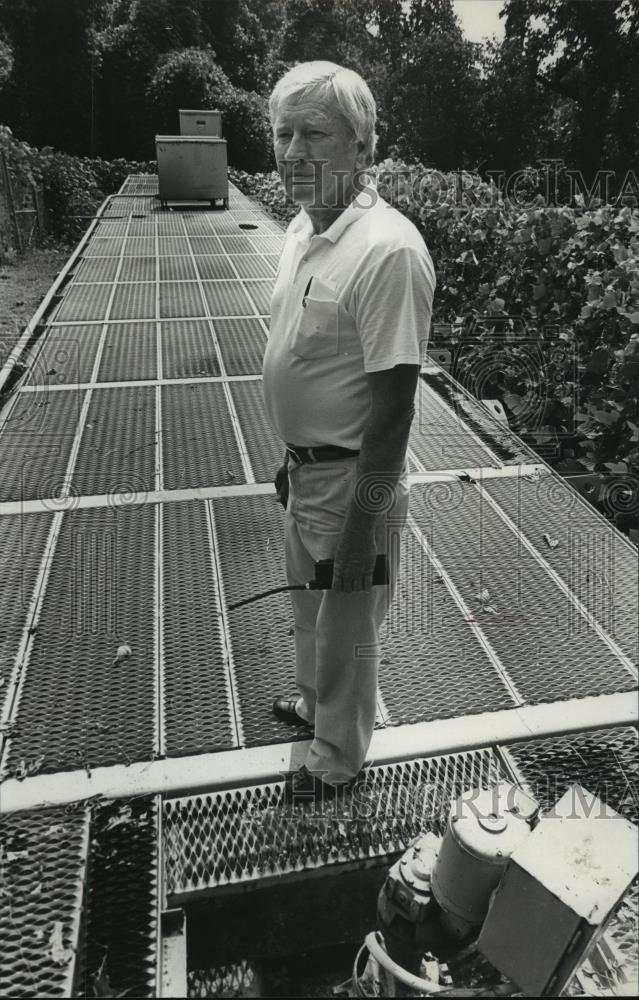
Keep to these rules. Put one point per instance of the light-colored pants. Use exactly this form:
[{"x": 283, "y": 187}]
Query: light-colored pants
[{"x": 337, "y": 634}]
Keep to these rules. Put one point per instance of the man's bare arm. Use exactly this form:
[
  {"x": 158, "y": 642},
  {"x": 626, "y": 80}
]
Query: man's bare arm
[{"x": 379, "y": 465}]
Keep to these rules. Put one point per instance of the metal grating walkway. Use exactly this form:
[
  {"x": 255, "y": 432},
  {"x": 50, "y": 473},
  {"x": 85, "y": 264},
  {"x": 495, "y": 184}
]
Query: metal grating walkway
[{"x": 137, "y": 502}]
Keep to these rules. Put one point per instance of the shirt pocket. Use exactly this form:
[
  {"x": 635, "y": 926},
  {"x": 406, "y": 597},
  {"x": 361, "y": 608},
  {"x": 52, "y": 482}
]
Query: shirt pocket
[{"x": 317, "y": 333}]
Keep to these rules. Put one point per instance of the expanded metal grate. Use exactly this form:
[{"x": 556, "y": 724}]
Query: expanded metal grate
[
  {"x": 239, "y": 980},
  {"x": 264, "y": 447},
  {"x": 597, "y": 564},
  {"x": 242, "y": 344},
  {"x": 250, "y": 534},
  {"x": 36, "y": 441},
  {"x": 83, "y": 302},
  {"x": 234, "y": 837},
  {"x": 432, "y": 666},
  {"x": 133, "y": 301},
  {"x": 129, "y": 353},
  {"x": 215, "y": 266},
  {"x": 478, "y": 418},
  {"x": 119, "y": 943},
  {"x": 548, "y": 649},
  {"x": 199, "y": 444},
  {"x": 65, "y": 355},
  {"x": 188, "y": 350},
  {"x": 117, "y": 450},
  {"x": 198, "y": 711},
  {"x": 137, "y": 269},
  {"x": 78, "y": 708},
  {"x": 22, "y": 541},
  {"x": 440, "y": 440},
  {"x": 43, "y": 861}
]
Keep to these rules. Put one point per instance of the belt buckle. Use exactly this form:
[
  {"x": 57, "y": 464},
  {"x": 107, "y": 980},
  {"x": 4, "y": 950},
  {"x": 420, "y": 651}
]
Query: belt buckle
[
  {"x": 311, "y": 455},
  {"x": 292, "y": 452}
]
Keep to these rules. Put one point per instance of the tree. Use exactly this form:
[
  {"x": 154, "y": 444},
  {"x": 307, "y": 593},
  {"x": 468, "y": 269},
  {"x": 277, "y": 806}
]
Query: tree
[
  {"x": 191, "y": 78},
  {"x": 586, "y": 54},
  {"x": 48, "y": 97}
]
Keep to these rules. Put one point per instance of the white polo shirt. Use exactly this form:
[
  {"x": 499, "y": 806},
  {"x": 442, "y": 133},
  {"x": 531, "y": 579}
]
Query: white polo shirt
[{"x": 355, "y": 299}]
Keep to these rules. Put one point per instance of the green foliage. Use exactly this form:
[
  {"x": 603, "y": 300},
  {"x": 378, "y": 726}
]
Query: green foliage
[
  {"x": 73, "y": 186},
  {"x": 192, "y": 78},
  {"x": 185, "y": 78},
  {"x": 6, "y": 60}
]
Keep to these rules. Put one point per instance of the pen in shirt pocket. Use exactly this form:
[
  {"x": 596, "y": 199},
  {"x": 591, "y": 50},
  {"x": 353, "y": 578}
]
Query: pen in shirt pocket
[{"x": 308, "y": 288}]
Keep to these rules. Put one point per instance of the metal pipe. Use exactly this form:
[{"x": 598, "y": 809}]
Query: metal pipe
[{"x": 259, "y": 765}]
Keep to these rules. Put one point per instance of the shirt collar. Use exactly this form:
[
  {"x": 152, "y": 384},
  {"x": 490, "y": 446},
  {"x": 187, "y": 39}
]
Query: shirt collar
[{"x": 302, "y": 227}]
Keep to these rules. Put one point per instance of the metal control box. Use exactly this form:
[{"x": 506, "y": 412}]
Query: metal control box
[
  {"x": 192, "y": 169},
  {"x": 207, "y": 123}
]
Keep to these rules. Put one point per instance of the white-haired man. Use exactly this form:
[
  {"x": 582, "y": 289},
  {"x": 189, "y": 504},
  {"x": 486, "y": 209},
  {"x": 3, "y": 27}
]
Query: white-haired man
[{"x": 350, "y": 314}]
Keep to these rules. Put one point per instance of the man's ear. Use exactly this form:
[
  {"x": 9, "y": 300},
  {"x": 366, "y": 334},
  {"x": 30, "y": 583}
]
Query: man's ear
[{"x": 361, "y": 159}]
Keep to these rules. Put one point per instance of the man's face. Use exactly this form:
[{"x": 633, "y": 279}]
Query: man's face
[{"x": 316, "y": 152}]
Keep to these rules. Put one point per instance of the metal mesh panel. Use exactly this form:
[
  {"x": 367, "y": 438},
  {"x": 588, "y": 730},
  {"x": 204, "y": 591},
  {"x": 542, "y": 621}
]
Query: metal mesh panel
[
  {"x": 82, "y": 302},
  {"x": 215, "y": 266},
  {"x": 43, "y": 861},
  {"x": 112, "y": 228},
  {"x": 36, "y": 443},
  {"x": 598, "y": 565},
  {"x": 188, "y": 350},
  {"x": 141, "y": 227},
  {"x": 247, "y": 834},
  {"x": 502, "y": 441},
  {"x": 252, "y": 267},
  {"x": 606, "y": 763},
  {"x": 137, "y": 269},
  {"x": 117, "y": 451},
  {"x": 250, "y": 532},
  {"x": 121, "y": 206},
  {"x": 432, "y": 667},
  {"x": 139, "y": 246},
  {"x": 239, "y": 980},
  {"x": 96, "y": 269},
  {"x": 235, "y": 244},
  {"x": 169, "y": 224},
  {"x": 129, "y": 353},
  {"x": 133, "y": 302},
  {"x": 78, "y": 708},
  {"x": 260, "y": 293},
  {"x": 66, "y": 355},
  {"x": 168, "y": 246},
  {"x": 177, "y": 269},
  {"x": 221, "y": 222},
  {"x": 242, "y": 344},
  {"x": 197, "y": 708},
  {"x": 100, "y": 246},
  {"x": 227, "y": 298},
  {"x": 543, "y": 642},
  {"x": 268, "y": 244},
  {"x": 120, "y": 939},
  {"x": 179, "y": 299},
  {"x": 200, "y": 448},
  {"x": 197, "y": 224},
  {"x": 439, "y": 440},
  {"x": 22, "y": 542},
  {"x": 206, "y": 245},
  {"x": 264, "y": 447}
]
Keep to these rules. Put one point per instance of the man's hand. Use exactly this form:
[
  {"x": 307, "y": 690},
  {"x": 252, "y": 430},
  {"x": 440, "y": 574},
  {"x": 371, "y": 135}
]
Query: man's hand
[
  {"x": 281, "y": 485},
  {"x": 354, "y": 562}
]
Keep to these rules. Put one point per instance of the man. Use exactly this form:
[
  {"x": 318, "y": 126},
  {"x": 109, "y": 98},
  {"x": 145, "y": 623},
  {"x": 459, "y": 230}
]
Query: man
[{"x": 350, "y": 313}]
